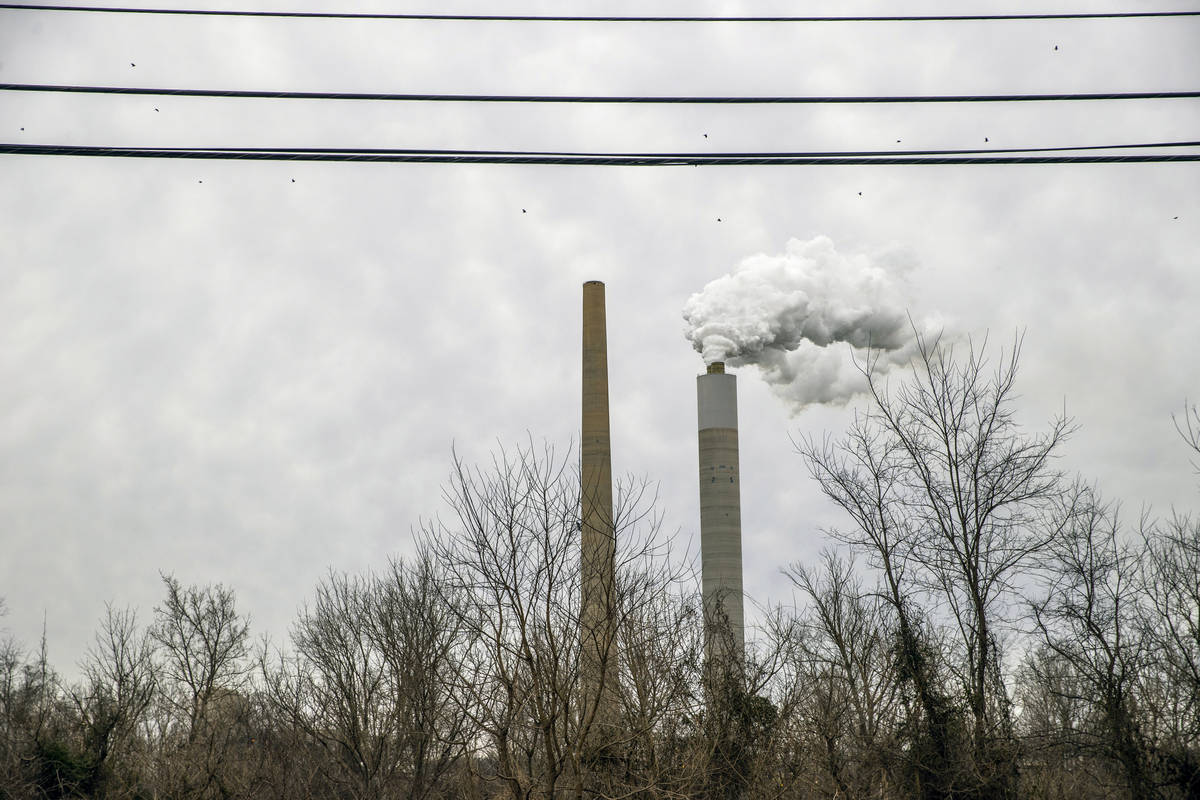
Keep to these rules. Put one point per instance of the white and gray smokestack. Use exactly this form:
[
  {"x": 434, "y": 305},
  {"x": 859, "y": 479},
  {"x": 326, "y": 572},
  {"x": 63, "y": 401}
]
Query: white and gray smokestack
[{"x": 720, "y": 511}]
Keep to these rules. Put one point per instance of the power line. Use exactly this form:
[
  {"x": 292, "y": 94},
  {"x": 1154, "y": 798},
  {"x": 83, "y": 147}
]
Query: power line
[
  {"x": 678, "y": 155},
  {"x": 598, "y": 159},
  {"x": 612, "y": 99},
  {"x": 579, "y": 18}
]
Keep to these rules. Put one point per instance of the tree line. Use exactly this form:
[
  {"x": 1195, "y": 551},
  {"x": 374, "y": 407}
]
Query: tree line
[{"x": 982, "y": 626}]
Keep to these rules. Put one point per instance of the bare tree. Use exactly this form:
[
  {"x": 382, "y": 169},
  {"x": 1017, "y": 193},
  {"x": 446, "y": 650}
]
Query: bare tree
[
  {"x": 43, "y": 754},
  {"x": 1171, "y": 627},
  {"x": 335, "y": 689},
  {"x": 660, "y": 638},
  {"x": 414, "y": 624},
  {"x": 371, "y": 682},
  {"x": 866, "y": 474},
  {"x": 1089, "y": 619},
  {"x": 1057, "y": 723},
  {"x": 10, "y": 682},
  {"x": 1189, "y": 429},
  {"x": 119, "y": 684},
  {"x": 949, "y": 500},
  {"x": 754, "y": 710},
  {"x": 846, "y": 650},
  {"x": 204, "y": 645},
  {"x": 511, "y": 552},
  {"x": 1170, "y": 575},
  {"x": 203, "y": 642},
  {"x": 23, "y": 708}
]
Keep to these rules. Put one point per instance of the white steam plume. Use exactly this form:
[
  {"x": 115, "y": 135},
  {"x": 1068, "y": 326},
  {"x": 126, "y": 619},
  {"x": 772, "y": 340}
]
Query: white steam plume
[{"x": 784, "y": 312}]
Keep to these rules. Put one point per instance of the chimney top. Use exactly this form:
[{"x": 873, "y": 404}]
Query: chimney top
[{"x": 716, "y": 368}]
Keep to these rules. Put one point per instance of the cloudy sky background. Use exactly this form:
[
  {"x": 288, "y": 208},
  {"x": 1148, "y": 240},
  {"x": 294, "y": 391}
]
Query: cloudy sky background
[{"x": 254, "y": 372}]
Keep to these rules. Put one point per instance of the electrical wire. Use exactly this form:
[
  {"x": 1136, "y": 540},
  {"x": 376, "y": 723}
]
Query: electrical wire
[
  {"x": 677, "y": 155},
  {"x": 583, "y": 18},
  {"x": 614, "y": 99},
  {"x": 479, "y": 157}
]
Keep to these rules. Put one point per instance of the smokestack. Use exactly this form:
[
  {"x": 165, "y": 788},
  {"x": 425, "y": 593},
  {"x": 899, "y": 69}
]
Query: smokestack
[
  {"x": 598, "y": 657},
  {"x": 720, "y": 512}
]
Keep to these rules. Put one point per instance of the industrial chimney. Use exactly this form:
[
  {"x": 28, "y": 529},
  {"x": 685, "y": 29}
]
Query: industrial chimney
[
  {"x": 598, "y": 655},
  {"x": 720, "y": 513}
]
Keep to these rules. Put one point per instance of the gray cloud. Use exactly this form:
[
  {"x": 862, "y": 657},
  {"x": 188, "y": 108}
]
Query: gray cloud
[{"x": 249, "y": 379}]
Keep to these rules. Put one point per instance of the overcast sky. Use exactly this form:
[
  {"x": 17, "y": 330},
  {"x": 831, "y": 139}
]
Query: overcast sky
[{"x": 254, "y": 372}]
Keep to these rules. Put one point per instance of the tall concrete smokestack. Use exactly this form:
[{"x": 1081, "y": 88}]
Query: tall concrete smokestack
[
  {"x": 720, "y": 512},
  {"x": 598, "y": 657}
]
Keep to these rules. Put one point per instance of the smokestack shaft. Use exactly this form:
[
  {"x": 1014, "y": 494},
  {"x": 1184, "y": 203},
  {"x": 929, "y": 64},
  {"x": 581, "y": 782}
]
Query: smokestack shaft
[
  {"x": 598, "y": 545},
  {"x": 720, "y": 510}
]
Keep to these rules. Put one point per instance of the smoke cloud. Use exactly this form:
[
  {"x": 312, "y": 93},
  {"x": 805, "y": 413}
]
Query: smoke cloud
[{"x": 787, "y": 313}]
